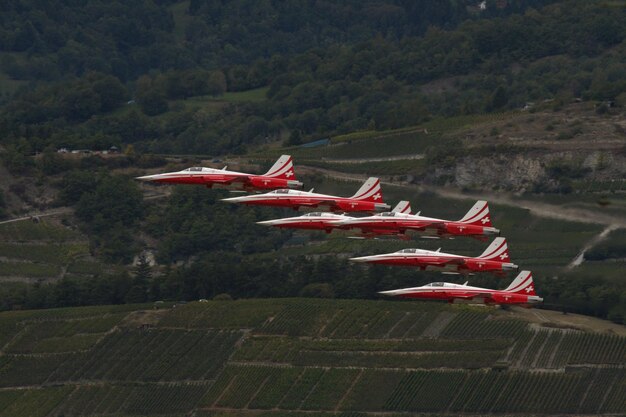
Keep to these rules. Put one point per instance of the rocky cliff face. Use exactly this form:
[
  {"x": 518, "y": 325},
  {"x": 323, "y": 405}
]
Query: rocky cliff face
[{"x": 532, "y": 170}]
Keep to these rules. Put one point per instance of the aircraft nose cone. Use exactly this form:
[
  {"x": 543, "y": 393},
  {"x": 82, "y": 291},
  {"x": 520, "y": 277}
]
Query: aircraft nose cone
[
  {"x": 269, "y": 222},
  {"x": 146, "y": 178},
  {"x": 234, "y": 199},
  {"x": 361, "y": 259}
]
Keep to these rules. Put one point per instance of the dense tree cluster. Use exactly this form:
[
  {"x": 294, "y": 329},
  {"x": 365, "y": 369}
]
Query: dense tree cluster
[
  {"x": 381, "y": 81},
  {"x": 127, "y": 39},
  {"x": 110, "y": 208}
]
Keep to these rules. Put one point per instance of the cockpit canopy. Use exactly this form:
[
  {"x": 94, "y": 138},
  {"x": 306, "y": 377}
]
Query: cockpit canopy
[
  {"x": 194, "y": 169},
  {"x": 389, "y": 214},
  {"x": 280, "y": 192},
  {"x": 436, "y": 284},
  {"x": 319, "y": 214},
  {"x": 408, "y": 251}
]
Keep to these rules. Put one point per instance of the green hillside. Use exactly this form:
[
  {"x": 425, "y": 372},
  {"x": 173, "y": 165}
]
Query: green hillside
[{"x": 293, "y": 357}]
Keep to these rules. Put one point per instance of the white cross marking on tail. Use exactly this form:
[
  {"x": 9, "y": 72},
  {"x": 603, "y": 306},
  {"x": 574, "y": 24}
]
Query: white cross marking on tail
[
  {"x": 485, "y": 220},
  {"x": 503, "y": 256},
  {"x": 529, "y": 288},
  {"x": 376, "y": 196},
  {"x": 289, "y": 174}
]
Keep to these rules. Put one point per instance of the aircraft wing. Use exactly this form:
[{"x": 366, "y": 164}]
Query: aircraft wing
[
  {"x": 443, "y": 261},
  {"x": 308, "y": 203},
  {"x": 433, "y": 225},
  {"x": 224, "y": 179},
  {"x": 423, "y": 225},
  {"x": 483, "y": 295}
]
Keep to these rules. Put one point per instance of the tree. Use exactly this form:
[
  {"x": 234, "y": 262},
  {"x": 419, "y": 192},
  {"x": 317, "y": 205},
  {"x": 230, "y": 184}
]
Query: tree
[
  {"x": 114, "y": 200},
  {"x": 74, "y": 184},
  {"x": 80, "y": 103},
  {"x": 111, "y": 91},
  {"x": 143, "y": 270},
  {"x": 216, "y": 83},
  {"x": 295, "y": 138},
  {"x": 153, "y": 102},
  {"x": 138, "y": 293},
  {"x": 499, "y": 98},
  {"x": 52, "y": 163}
]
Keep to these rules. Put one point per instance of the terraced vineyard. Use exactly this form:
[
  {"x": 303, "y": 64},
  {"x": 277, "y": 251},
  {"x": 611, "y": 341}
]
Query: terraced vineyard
[
  {"x": 44, "y": 251},
  {"x": 300, "y": 357}
]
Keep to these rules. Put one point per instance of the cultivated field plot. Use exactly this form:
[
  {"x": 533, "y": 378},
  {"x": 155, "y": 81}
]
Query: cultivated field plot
[
  {"x": 296, "y": 357},
  {"x": 43, "y": 251}
]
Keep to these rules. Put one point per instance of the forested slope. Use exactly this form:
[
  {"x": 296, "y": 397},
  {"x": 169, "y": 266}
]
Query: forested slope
[{"x": 364, "y": 70}]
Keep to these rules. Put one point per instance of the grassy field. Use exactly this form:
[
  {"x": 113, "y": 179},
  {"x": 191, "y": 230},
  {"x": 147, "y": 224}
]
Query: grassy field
[
  {"x": 388, "y": 143},
  {"x": 284, "y": 357}
]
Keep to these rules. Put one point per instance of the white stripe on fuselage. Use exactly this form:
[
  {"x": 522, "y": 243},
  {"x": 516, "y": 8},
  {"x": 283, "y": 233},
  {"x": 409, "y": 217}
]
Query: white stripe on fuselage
[
  {"x": 447, "y": 287},
  {"x": 205, "y": 171},
  {"x": 300, "y": 219},
  {"x": 294, "y": 193}
]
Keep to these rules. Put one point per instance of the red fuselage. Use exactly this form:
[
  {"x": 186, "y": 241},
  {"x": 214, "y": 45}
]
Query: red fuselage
[
  {"x": 210, "y": 177},
  {"x": 296, "y": 199},
  {"x": 455, "y": 292},
  {"x": 437, "y": 261},
  {"x": 399, "y": 224}
]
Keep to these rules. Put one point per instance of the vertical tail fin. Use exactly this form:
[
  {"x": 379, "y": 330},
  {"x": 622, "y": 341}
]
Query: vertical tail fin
[
  {"x": 283, "y": 169},
  {"x": 478, "y": 215},
  {"x": 403, "y": 207},
  {"x": 522, "y": 284},
  {"x": 370, "y": 191},
  {"x": 497, "y": 251}
]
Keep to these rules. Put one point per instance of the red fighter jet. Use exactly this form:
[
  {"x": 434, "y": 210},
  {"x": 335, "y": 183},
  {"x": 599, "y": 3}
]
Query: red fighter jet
[
  {"x": 495, "y": 259},
  {"x": 476, "y": 223},
  {"x": 521, "y": 292},
  {"x": 280, "y": 175},
  {"x": 369, "y": 198},
  {"x": 322, "y": 220}
]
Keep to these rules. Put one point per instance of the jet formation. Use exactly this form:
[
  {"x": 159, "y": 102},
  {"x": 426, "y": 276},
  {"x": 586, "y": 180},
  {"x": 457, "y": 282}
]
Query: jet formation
[{"x": 379, "y": 221}]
